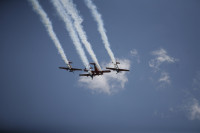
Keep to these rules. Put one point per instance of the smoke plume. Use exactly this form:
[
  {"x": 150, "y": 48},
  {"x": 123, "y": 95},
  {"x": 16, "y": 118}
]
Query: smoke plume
[
  {"x": 73, "y": 12},
  {"x": 101, "y": 29},
  {"x": 47, "y": 23},
  {"x": 72, "y": 32}
]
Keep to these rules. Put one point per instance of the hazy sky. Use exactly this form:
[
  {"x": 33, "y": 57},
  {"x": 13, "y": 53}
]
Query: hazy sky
[{"x": 158, "y": 39}]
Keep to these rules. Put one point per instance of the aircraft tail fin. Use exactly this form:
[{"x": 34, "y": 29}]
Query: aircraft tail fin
[{"x": 117, "y": 62}]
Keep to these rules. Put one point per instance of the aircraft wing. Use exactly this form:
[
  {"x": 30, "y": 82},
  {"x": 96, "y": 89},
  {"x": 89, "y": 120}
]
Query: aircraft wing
[
  {"x": 84, "y": 75},
  {"x": 123, "y": 70},
  {"x": 111, "y": 68},
  {"x": 76, "y": 69},
  {"x": 117, "y": 69},
  {"x": 66, "y": 68},
  {"x": 106, "y": 71}
]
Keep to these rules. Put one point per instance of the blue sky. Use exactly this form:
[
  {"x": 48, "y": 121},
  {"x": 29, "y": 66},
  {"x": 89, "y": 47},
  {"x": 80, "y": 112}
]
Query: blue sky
[{"x": 159, "y": 39}]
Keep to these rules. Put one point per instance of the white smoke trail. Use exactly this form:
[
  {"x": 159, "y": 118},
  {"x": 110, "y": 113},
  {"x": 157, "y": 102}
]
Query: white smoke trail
[
  {"x": 71, "y": 10},
  {"x": 101, "y": 29},
  {"x": 47, "y": 23},
  {"x": 72, "y": 32}
]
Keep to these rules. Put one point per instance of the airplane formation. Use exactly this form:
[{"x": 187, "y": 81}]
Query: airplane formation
[
  {"x": 70, "y": 16},
  {"x": 92, "y": 72}
]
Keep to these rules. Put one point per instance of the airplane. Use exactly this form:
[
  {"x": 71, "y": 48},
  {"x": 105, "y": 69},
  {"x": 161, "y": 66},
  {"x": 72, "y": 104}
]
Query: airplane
[
  {"x": 88, "y": 74},
  {"x": 95, "y": 72},
  {"x": 69, "y": 68},
  {"x": 116, "y": 68}
]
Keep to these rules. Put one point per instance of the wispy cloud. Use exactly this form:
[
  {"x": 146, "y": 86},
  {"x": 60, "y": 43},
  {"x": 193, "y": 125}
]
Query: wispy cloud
[
  {"x": 196, "y": 81},
  {"x": 135, "y": 54},
  {"x": 109, "y": 82},
  {"x": 165, "y": 78},
  {"x": 194, "y": 110},
  {"x": 160, "y": 114},
  {"x": 192, "y": 101},
  {"x": 161, "y": 56}
]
